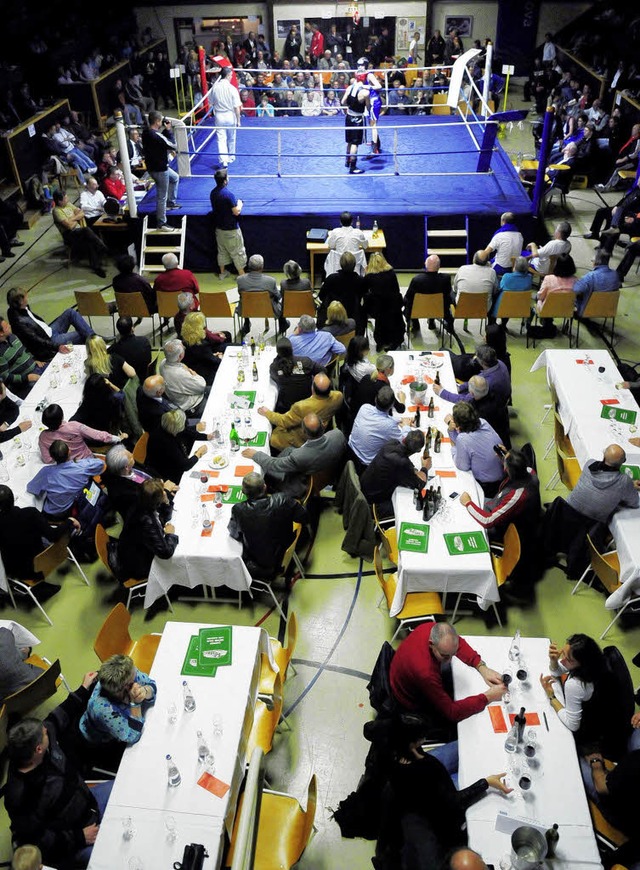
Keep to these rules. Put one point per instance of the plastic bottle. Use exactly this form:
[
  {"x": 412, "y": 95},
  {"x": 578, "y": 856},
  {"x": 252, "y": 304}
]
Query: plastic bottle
[
  {"x": 520, "y": 720},
  {"x": 173, "y": 774},
  {"x": 431, "y": 409},
  {"x": 240, "y": 375},
  {"x": 206, "y": 520},
  {"x": 358, "y": 222},
  {"x": 203, "y": 748},
  {"x": 189, "y": 700},
  {"x": 374, "y": 234},
  {"x": 234, "y": 438},
  {"x": 511, "y": 743},
  {"x": 255, "y": 372},
  {"x": 552, "y": 836}
]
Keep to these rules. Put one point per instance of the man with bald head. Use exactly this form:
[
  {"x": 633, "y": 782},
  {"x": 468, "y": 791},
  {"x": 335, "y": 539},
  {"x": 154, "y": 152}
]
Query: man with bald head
[
  {"x": 152, "y": 402},
  {"x": 264, "y": 525},
  {"x": 506, "y": 243},
  {"x": 602, "y": 488},
  {"x": 290, "y": 471},
  {"x": 430, "y": 281},
  {"x": 287, "y": 428},
  {"x": 420, "y": 677},
  {"x": 465, "y": 859}
]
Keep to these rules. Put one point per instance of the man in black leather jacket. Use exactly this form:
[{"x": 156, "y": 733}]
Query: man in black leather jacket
[
  {"x": 42, "y": 340},
  {"x": 264, "y": 525}
]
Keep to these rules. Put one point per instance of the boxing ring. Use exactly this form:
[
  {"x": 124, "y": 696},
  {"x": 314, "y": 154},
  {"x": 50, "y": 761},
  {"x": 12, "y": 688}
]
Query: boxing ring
[{"x": 290, "y": 173}]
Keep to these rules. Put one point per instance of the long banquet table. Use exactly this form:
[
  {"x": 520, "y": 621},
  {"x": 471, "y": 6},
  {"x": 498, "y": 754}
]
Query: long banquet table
[
  {"x": 216, "y": 559},
  {"x": 60, "y": 383},
  {"x": 557, "y": 793},
  {"x": 140, "y": 791},
  {"x": 581, "y": 388},
  {"x": 437, "y": 570}
]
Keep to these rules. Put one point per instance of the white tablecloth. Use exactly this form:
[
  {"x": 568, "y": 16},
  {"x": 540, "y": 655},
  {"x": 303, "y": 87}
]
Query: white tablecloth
[
  {"x": 557, "y": 793},
  {"x": 140, "y": 789},
  {"x": 437, "y": 570},
  {"x": 21, "y": 634},
  {"x": 21, "y": 458},
  {"x": 580, "y": 388},
  {"x": 214, "y": 560}
]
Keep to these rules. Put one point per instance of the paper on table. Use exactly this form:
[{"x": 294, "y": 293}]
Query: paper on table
[
  {"x": 530, "y": 718},
  {"x": 498, "y": 723},
  {"x": 206, "y": 533},
  {"x": 213, "y": 784},
  {"x": 609, "y": 401},
  {"x": 442, "y": 473},
  {"x": 241, "y": 470}
]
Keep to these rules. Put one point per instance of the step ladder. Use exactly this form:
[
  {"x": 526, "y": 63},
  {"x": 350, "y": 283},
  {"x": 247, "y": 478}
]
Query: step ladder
[
  {"x": 156, "y": 244},
  {"x": 448, "y": 237}
]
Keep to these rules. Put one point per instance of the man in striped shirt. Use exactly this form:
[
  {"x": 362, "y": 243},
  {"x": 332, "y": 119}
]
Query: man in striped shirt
[{"x": 18, "y": 369}]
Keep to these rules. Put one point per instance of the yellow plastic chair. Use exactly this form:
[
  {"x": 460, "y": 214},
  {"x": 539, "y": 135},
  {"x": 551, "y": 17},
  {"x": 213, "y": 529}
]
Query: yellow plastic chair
[
  {"x": 427, "y": 305},
  {"x": 256, "y": 303},
  {"x": 388, "y": 535},
  {"x": 133, "y": 305},
  {"x": 606, "y": 567},
  {"x": 91, "y": 303},
  {"x": 284, "y": 829},
  {"x": 167, "y": 306},
  {"x": 282, "y": 656},
  {"x": 114, "y": 637},
  {"x": 562, "y": 442},
  {"x": 558, "y": 305},
  {"x": 265, "y": 585},
  {"x": 502, "y": 563},
  {"x": 568, "y": 468},
  {"x": 217, "y": 306},
  {"x": 603, "y": 306},
  {"x": 265, "y": 720},
  {"x": 515, "y": 304},
  {"x": 298, "y": 302},
  {"x": 417, "y": 607},
  {"x": 440, "y": 106},
  {"x": 45, "y": 563},
  {"x": 30, "y": 696},
  {"x": 470, "y": 306},
  {"x": 140, "y": 450}
]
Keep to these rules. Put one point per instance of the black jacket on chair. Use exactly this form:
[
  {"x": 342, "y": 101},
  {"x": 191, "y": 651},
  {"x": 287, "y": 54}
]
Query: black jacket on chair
[
  {"x": 168, "y": 454},
  {"x": 151, "y": 410},
  {"x": 34, "y": 338},
  {"x": 23, "y": 534},
  {"x": 142, "y": 538},
  {"x": 264, "y": 526}
]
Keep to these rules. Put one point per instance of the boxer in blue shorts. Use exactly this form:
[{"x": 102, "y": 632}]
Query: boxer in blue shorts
[{"x": 373, "y": 85}]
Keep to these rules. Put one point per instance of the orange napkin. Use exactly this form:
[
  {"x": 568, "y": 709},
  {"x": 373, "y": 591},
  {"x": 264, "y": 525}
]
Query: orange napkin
[
  {"x": 208, "y": 472},
  {"x": 408, "y": 380},
  {"x": 241, "y": 470},
  {"x": 206, "y": 533},
  {"x": 609, "y": 402},
  {"x": 415, "y": 408},
  {"x": 437, "y": 353},
  {"x": 208, "y": 496},
  {"x": 444, "y": 439},
  {"x": 497, "y": 719},
  {"x": 530, "y": 718},
  {"x": 213, "y": 784},
  {"x": 219, "y": 487},
  {"x": 441, "y": 473}
]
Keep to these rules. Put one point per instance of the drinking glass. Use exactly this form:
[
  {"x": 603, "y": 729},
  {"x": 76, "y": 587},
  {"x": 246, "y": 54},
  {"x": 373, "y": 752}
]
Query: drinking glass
[
  {"x": 135, "y": 863},
  {"x": 217, "y": 724},
  {"x": 128, "y": 831},
  {"x": 171, "y": 829},
  {"x": 172, "y": 713}
]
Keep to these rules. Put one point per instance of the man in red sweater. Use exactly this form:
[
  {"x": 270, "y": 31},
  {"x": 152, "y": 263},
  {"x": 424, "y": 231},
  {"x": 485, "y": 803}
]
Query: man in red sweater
[
  {"x": 416, "y": 674},
  {"x": 175, "y": 280}
]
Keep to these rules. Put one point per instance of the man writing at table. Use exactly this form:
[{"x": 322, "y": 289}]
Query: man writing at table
[{"x": 420, "y": 676}]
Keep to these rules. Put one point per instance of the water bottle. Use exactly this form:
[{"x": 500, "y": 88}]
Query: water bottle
[
  {"x": 514, "y": 649},
  {"x": 206, "y": 524},
  {"x": 374, "y": 234},
  {"x": 511, "y": 743},
  {"x": 358, "y": 222},
  {"x": 173, "y": 774},
  {"x": 189, "y": 700},
  {"x": 203, "y": 749}
]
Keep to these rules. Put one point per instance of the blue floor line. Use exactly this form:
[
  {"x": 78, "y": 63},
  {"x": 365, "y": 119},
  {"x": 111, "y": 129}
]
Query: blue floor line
[{"x": 322, "y": 667}]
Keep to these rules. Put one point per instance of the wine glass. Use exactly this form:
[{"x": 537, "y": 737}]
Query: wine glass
[
  {"x": 171, "y": 829},
  {"x": 217, "y": 723},
  {"x": 128, "y": 831},
  {"x": 172, "y": 713}
]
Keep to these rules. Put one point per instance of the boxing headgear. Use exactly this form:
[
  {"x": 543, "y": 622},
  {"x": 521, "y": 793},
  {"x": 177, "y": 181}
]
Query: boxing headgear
[{"x": 362, "y": 65}]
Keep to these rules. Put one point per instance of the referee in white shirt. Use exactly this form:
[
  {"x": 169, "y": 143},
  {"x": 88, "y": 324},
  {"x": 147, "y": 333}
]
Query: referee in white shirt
[{"x": 226, "y": 106}]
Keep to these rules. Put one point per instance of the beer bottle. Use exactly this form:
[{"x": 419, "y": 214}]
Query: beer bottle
[
  {"x": 437, "y": 442},
  {"x": 417, "y": 423},
  {"x": 437, "y": 380},
  {"x": 431, "y": 409}
]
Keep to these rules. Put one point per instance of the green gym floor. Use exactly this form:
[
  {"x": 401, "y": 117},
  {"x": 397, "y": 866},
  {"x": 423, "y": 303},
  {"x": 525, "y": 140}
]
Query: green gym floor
[{"x": 340, "y": 626}]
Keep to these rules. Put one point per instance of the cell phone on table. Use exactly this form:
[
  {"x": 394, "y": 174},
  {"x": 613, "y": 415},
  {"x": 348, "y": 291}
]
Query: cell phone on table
[{"x": 454, "y": 494}]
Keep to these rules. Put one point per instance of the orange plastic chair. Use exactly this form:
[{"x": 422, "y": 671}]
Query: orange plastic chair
[
  {"x": 417, "y": 607},
  {"x": 114, "y": 638},
  {"x": 282, "y": 656}
]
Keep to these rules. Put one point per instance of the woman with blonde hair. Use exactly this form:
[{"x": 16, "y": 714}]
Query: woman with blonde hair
[
  {"x": 198, "y": 353},
  {"x": 100, "y": 362},
  {"x": 337, "y": 321},
  {"x": 383, "y": 303},
  {"x": 170, "y": 445}
]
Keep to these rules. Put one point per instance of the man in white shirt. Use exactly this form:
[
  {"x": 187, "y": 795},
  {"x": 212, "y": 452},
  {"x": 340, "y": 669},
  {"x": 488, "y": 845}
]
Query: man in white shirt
[
  {"x": 476, "y": 277},
  {"x": 92, "y": 201},
  {"x": 346, "y": 238},
  {"x": 558, "y": 245},
  {"x": 183, "y": 386},
  {"x": 506, "y": 243},
  {"x": 226, "y": 106}
]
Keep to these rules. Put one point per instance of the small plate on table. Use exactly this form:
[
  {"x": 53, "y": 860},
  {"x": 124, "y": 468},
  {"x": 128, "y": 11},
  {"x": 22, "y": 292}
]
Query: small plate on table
[{"x": 219, "y": 460}]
